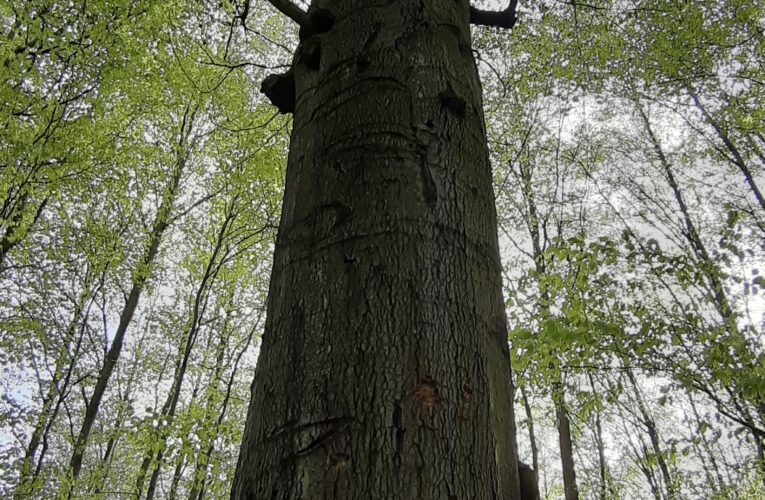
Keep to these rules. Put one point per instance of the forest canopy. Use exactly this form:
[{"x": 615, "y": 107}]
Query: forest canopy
[{"x": 141, "y": 182}]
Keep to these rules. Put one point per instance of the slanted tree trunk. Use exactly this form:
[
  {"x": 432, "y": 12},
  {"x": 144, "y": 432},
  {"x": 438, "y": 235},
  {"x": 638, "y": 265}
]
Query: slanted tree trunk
[
  {"x": 705, "y": 262},
  {"x": 384, "y": 368},
  {"x": 155, "y": 453},
  {"x": 731, "y": 151},
  {"x": 123, "y": 412},
  {"x": 180, "y": 466},
  {"x": 58, "y": 388},
  {"x": 653, "y": 435},
  {"x": 161, "y": 223}
]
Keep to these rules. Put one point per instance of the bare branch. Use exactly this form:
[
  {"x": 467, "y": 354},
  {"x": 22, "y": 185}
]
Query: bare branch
[
  {"x": 501, "y": 19},
  {"x": 290, "y": 10}
]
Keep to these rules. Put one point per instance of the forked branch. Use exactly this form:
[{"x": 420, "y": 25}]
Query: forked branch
[{"x": 501, "y": 19}]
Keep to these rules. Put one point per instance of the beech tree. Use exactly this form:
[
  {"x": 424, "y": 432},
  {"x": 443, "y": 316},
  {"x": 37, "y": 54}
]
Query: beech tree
[{"x": 384, "y": 368}]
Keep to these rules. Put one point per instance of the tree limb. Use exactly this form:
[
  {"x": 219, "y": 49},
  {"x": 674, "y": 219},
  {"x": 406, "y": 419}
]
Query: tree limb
[
  {"x": 501, "y": 19},
  {"x": 291, "y": 10}
]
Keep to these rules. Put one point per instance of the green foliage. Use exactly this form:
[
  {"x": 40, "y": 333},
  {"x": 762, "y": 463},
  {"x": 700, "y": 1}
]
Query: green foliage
[{"x": 124, "y": 123}]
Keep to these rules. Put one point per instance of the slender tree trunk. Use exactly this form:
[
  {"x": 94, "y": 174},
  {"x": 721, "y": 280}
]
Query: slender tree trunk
[
  {"x": 641, "y": 456},
  {"x": 602, "y": 465},
  {"x": 208, "y": 437},
  {"x": 214, "y": 264},
  {"x": 384, "y": 368},
  {"x": 736, "y": 158},
  {"x": 706, "y": 264},
  {"x": 561, "y": 413},
  {"x": 532, "y": 434},
  {"x": 180, "y": 464},
  {"x": 200, "y": 475},
  {"x": 566, "y": 443},
  {"x": 57, "y": 389},
  {"x": 648, "y": 473},
  {"x": 161, "y": 223},
  {"x": 111, "y": 445},
  {"x": 653, "y": 435},
  {"x": 709, "y": 267}
]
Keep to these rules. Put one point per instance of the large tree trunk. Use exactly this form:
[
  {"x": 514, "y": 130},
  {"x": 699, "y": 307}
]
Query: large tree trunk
[{"x": 384, "y": 369}]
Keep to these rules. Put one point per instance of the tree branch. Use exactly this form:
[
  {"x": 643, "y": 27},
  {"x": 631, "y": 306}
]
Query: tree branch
[
  {"x": 501, "y": 19},
  {"x": 291, "y": 10}
]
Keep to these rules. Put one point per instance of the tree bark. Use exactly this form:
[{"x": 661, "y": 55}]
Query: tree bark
[
  {"x": 532, "y": 433},
  {"x": 384, "y": 368}
]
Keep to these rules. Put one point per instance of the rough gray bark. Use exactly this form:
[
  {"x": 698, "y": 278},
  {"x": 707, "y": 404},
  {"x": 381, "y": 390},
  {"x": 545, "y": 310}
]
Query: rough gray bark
[{"x": 384, "y": 369}]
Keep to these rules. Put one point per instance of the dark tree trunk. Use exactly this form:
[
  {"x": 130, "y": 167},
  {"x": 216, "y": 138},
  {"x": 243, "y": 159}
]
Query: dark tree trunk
[
  {"x": 566, "y": 442},
  {"x": 384, "y": 368},
  {"x": 532, "y": 433}
]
